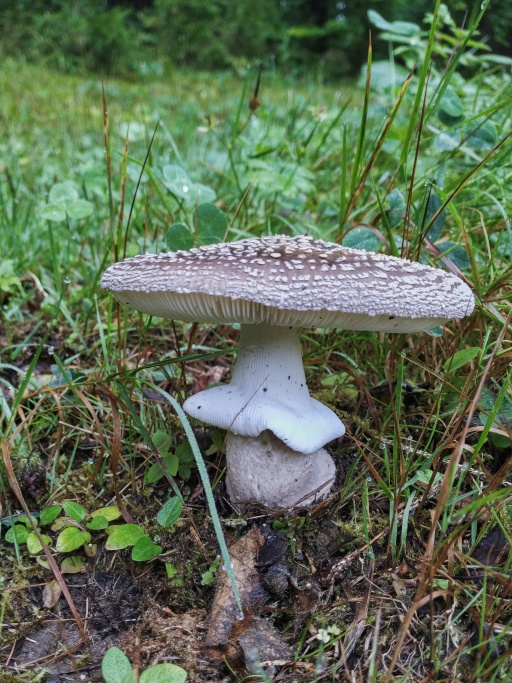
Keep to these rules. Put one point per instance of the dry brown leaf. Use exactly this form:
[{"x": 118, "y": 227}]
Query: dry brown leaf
[
  {"x": 250, "y": 640},
  {"x": 211, "y": 376},
  {"x": 224, "y": 612},
  {"x": 51, "y": 593}
]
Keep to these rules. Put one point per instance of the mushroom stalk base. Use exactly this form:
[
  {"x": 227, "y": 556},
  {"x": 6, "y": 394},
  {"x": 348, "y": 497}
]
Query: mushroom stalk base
[{"x": 265, "y": 470}]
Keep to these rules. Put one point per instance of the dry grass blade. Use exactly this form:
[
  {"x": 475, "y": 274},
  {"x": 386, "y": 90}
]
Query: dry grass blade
[{"x": 359, "y": 624}]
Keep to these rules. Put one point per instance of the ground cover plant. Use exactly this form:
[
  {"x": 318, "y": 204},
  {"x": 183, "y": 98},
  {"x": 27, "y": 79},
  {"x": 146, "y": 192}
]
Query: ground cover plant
[{"x": 404, "y": 572}]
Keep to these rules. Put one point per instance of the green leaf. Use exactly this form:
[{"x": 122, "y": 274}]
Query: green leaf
[
  {"x": 384, "y": 75},
  {"x": 19, "y": 531},
  {"x": 63, "y": 192},
  {"x": 185, "y": 453},
  {"x": 110, "y": 513},
  {"x": 25, "y": 520},
  {"x": 49, "y": 514},
  {"x": 211, "y": 224},
  {"x": 209, "y": 576},
  {"x": 362, "y": 238},
  {"x": 155, "y": 472},
  {"x": 178, "y": 236},
  {"x": 171, "y": 570},
  {"x": 74, "y": 510},
  {"x": 184, "y": 471},
  {"x": 485, "y": 137},
  {"x": 145, "y": 549},
  {"x": 71, "y": 539},
  {"x": 405, "y": 28},
  {"x": 79, "y": 209},
  {"x": 124, "y": 536},
  {"x": 97, "y": 523},
  {"x": 456, "y": 253},
  {"x": 441, "y": 583},
  {"x": 397, "y": 207},
  {"x": 460, "y": 358},
  {"x": 177, "y": 180},
  {"x": 116, "y": 667},
  {"x": 434, "y": 203},
  {"x": 53, "y": 212},
  {"x": 201, "y": 194},
  {"x": 451, "y": 108},
  {"x": 170, "y": 512},
  {"x": 72, "y": 565},
  {"x": 34, "y": 545},
  {"x": 171, "y": 463},
  {"x": 163, "y": 673},
  {"x": 162, "y": 441}
]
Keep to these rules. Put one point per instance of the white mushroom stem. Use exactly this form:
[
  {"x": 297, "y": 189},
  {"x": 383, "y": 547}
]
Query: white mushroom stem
[
  {"x": 263, "y": 469},
  {"x": 268, "y": 391}
]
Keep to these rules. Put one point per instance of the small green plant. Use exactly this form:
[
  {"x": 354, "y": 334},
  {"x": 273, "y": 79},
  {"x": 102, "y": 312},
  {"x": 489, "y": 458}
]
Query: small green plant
[
  {"x": 116, "y": 668},
  {"x": 208, "y": 577},
  {"x": 10, "y": 283},
  {"x": 74, "y": 529},
  {"x": 64, "y": 202},
  {"x": 210, "y": 226},
  {"x": 178, "y": 461}
]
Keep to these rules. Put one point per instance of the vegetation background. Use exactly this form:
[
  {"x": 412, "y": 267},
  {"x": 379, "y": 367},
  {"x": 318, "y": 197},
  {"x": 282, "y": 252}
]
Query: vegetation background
[
  {"x": 125, "y": 36},
  {"x": 116, "y": 122}
]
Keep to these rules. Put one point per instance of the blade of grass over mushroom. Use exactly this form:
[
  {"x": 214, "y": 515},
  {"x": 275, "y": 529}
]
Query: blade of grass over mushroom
[
  {"x": 421, "y": 90},
  {"x": 108, "y": 160},
  {"x": 458, "y": 53},
  {"x": 207, "y": 489},
  {"x": 188, "y": 358},
  {"x": 137, "y": 186},
  {"x": 359, "y": 181},
  {"x": 358, "y": 157}
]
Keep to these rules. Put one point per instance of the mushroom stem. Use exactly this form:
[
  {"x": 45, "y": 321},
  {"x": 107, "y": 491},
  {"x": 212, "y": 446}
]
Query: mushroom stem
[
  {"x": 264, "y": 469},
  {"x": 268, "y": 391}
]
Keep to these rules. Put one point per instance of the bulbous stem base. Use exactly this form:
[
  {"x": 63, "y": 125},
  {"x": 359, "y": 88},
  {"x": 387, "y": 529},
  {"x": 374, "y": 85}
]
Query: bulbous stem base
[{"x": 263, "y": 469}]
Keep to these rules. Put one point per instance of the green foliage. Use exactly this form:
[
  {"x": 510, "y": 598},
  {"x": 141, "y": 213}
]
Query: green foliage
[
  {"x": 210, "y": 226},
  {"x": 116, "y": 668},
  {"x": 74, "y": 36},
  {"x": 170, "y": 512},
  {"x": 64, "y": 202},
  {"x": 140, "y": 38},
  {"x": 72, "y": 535},
  {"x": 208, "y": 577},
  {"x": 422, "y": 174},
  {"x": 9, "y": 281},
  {"x": 70, "y": 539},
  {"x": 177, "y": 461}
]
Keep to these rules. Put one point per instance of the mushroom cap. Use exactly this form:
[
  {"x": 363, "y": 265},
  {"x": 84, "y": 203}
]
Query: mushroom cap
[{"x": 293, "y": 281}]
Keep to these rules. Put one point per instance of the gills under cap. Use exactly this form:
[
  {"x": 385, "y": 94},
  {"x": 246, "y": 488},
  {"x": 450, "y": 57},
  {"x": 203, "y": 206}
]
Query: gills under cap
[{"x": 292, "y": 281}]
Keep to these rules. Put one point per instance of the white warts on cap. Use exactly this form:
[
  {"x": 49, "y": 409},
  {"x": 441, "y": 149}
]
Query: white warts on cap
[{"x": 324, "y": 285}]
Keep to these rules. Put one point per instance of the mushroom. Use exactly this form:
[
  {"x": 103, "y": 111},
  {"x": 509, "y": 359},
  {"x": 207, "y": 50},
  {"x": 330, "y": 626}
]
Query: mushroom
[{"x": 273, "y": 286}]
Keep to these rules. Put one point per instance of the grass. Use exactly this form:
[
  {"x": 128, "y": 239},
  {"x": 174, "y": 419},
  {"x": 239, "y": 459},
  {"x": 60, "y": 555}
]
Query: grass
[{"x": 411, "y": 555}]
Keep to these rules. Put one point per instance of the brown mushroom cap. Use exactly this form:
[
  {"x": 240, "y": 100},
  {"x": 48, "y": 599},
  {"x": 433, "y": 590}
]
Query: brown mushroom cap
[{"x": 293, "y": 281}]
